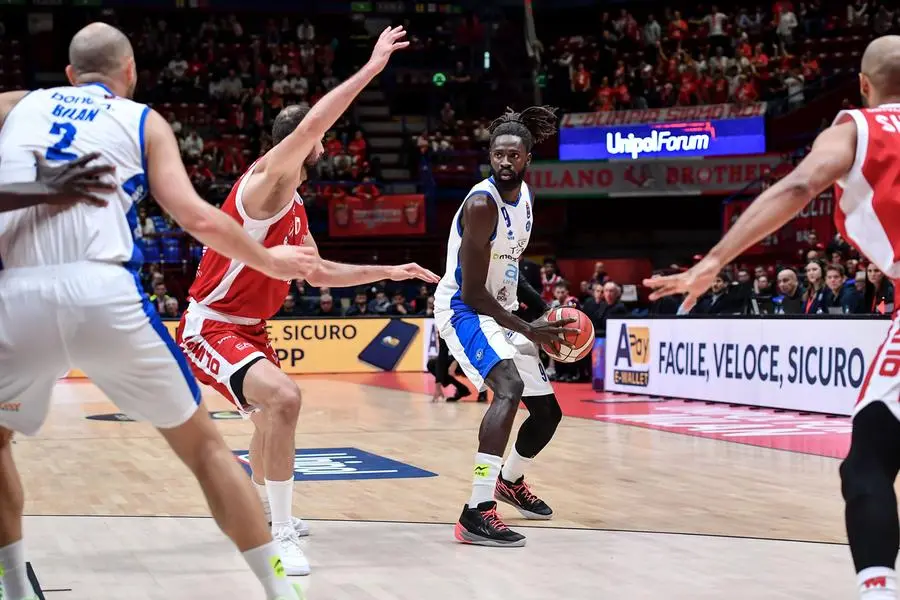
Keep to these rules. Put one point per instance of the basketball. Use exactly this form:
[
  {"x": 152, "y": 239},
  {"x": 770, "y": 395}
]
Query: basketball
[{"x": 583, "y": 340}]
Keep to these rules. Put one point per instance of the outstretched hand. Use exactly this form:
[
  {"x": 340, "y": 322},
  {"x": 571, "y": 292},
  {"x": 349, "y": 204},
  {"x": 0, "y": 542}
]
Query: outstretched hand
[
  {"x": 73, "y": 181},
  {"x": 390, "y": 40},
  {"x": 693, "y": 283},
  {"x": 413, "y": 271}
]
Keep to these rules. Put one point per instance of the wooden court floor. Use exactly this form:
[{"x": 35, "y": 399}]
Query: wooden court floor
[{"x": 640, "y": 513}]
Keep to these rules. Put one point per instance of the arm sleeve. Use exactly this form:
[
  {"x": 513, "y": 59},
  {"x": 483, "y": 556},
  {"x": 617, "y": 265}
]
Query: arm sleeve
[{"x": 530, "y": 297}]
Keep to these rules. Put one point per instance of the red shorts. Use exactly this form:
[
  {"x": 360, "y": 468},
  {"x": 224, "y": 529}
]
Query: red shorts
[{"x": 217, "y": 350}]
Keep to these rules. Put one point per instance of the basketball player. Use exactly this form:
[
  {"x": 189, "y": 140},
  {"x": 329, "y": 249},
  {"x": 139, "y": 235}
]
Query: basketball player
[
  {"x": 223, "y": 331},
  {"x": 68, "y": 183},
  {"x": 860, "y": 153},
  {"x": 71, "y": 295},
  {"x": 496, "y": 349}
]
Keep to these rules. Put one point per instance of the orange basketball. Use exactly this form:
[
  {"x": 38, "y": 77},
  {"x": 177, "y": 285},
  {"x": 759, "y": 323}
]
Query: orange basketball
[{"x": 583, "y": 340}]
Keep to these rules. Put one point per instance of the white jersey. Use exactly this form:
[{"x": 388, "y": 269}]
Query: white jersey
[
  {"x": 62, "y": 124},
  {"x": 514, "y": 222}
]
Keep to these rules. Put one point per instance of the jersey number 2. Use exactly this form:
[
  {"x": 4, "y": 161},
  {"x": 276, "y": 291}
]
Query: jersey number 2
[{"x": 57, "y": 150}]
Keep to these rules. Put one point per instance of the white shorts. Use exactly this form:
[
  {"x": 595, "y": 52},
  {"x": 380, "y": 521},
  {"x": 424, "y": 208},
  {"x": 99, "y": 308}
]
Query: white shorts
[
  {"x": 94, "y": 317},
  {"x": 882, "y": 381},
  {"x": 478, "y": 343}
]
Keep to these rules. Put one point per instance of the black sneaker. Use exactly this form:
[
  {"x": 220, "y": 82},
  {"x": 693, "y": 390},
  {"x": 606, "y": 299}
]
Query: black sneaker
[
  {"x": 482, "y": 396},
  {"x": 459, "y": 395},
  {"x": 519, "y": 495},
  {"x": 482, "y": 526}
]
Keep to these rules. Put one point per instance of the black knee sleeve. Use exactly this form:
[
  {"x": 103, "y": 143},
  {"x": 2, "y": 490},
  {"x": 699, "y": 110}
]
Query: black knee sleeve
[
  {"x": 538, "y": 429},
  {"x": 867, "y": 485}
]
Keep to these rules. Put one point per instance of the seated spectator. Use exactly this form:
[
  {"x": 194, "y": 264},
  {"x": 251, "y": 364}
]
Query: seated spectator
[
  {"x": 879, "y": 298},
  {"x": 160, "y": 296},
  {"x": 327, "y": 307},
  {"x": 380, "y": 303},
  {"x": 398, "y": 306},
  {"x": 360, "y": 306},
  {"x": 838, "y": 297},
  {"x": 815, "y": 287},
  {"x": 366, "y": 190},
  {"x": 603, "y": 305},
  {"x": 357, "y": 148},
  {"x": 289, "y": 307},
  {"x": 790, "y": 298},
  {"x": 562, "y": 297},
  {"x": 720, "y": 299},
  {"x": 192, "y": 145},
  {"x": 171, "y": 308}
]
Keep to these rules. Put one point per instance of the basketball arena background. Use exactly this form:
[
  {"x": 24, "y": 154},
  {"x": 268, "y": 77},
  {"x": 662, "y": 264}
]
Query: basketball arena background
[{"x": 663, "y": 142}]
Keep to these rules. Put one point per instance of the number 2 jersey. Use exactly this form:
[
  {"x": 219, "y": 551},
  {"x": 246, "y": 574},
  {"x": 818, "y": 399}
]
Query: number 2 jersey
[
  {"x": 62, "y": 124},
  {"x": 509, "y": 241}
]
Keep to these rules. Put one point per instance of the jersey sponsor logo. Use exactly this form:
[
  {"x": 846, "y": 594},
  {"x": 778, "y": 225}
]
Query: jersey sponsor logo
[
  {"x": 657, "y": 141},
  {"x": 10, "y": 406},
  {"x": 243, "y": 346},
  {"x": 527, "y": 225},
  {"x": 889, "y": 123},
  {"x": 343, "y": 464},
  {"x": 136, "y": 187},
  {"x": 632, "y": 359},
  {"x": 503, "y": 295}
]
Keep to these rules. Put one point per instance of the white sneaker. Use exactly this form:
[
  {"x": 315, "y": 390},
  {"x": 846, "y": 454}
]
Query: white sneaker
[
  {"x": 300, "y": 526},
  {"x": 292, "y": 556}
]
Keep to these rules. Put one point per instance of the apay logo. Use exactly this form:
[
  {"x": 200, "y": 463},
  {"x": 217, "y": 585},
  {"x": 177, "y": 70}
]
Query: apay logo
[
  {"x": 339, "y": 464},
  {"x": 632, "y": 353},
  {"x": 689, "y": 137}
]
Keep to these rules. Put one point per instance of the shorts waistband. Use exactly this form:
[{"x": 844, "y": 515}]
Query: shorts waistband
[{"x": 213, "y": 315}]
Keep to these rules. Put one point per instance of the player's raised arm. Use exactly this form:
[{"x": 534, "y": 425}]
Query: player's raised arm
[
  {"x": 173, "y": 190},
  {"x": 283, "y": 162},
  {"x": 830, "y": 159}
]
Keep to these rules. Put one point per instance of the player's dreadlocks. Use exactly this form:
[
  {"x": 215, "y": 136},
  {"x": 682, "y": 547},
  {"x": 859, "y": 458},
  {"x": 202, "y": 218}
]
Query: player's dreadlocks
[{"x": 534, "y": 125}]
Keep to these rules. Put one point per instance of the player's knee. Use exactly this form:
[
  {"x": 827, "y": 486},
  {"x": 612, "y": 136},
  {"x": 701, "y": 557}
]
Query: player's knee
[
  {"x": 862, "y": 474},
  {"x": 509, "y": 389},
  {"x": 285, "y": 403}
]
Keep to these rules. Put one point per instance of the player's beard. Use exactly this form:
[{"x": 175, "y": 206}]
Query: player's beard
[{"x": 508, "y": 185}]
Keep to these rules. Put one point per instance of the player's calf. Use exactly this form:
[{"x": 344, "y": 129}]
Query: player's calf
[
  {"x": 269, "y": 389},
  {"x": 234, "y": 506},
  {"x": 867, "y": 484},
  {"x": 13, "y": 574}
]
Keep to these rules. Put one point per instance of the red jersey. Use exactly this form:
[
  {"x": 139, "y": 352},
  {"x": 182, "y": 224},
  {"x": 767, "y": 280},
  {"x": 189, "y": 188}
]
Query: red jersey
[
  {"x": 867, "y": 199},
  {"x": 232, "y": 288}
]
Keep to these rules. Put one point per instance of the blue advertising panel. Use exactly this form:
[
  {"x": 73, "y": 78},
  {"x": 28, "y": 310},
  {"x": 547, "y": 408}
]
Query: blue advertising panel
[{"x": 658, "y": 140}]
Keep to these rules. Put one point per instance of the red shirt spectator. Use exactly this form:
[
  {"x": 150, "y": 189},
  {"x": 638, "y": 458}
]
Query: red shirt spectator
[
  {"x": 746, "y": 92},
  {"x": 687, "y": 93},
  {"x": 234, "y": 163},
  {"x": 719, "y": 92},
  {"x": 357, "y": 147},
  {"x": 678, "y": 27},
  {"x": 810, "y": 67},
  {"x": 622, "y": 95},
  {"x": 333, "y": 146},
  {"x": 581, "y": 79},
  {"x": 367, "y": 190},
  {"x": 603, "y": 100}
]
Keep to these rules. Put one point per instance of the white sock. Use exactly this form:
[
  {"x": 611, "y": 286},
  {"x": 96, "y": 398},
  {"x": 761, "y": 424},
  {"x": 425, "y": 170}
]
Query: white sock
[
  {"x": 281, "y": 496},
  {"x": 264, "y": 498},
  {"x": 515, "y": 466},
  {"x": 265, "y": 562},
  {"x": 877, "y": 583},
  {"x": 13, "y": 574},
  {"x": 487, "y": 467}
]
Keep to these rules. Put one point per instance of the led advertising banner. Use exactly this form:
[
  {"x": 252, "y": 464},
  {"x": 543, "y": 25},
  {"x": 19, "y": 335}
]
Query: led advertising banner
[{"x": 729, "y": 137}]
